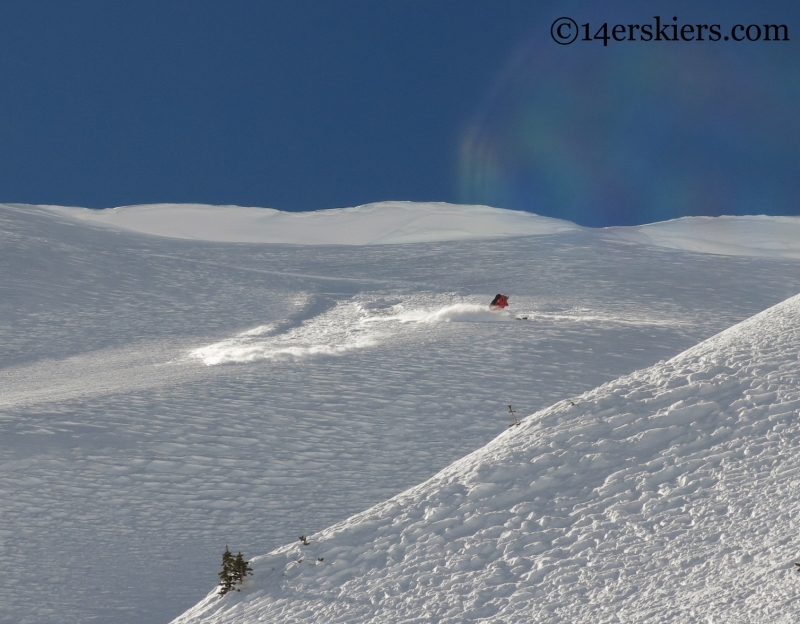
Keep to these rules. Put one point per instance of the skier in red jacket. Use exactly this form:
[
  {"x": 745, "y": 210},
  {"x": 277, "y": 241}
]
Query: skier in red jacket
[{"x": 499, "y": 302}]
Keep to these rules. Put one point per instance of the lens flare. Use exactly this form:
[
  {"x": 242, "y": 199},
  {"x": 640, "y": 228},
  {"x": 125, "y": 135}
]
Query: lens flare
[{"x": 638, "y": 132}]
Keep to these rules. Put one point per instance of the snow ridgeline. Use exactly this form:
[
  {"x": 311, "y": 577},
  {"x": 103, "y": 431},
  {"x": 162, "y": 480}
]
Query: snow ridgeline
[
  {"x": 414, "y": 222},
  {"x": 371, "y": 224},
  {"x": 751, "y": 235},
  {"x": 668, "y": 495}
]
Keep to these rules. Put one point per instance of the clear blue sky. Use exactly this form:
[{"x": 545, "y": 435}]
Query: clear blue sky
[{"x": 303, "y": 105}]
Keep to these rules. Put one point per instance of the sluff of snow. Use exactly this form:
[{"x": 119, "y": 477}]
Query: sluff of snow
[{"x": 336, "y": 330}]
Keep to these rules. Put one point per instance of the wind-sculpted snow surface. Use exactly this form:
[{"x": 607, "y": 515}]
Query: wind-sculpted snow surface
[
  {"x": 162, "y": 397},
  {"x": 669, "y": 495}
]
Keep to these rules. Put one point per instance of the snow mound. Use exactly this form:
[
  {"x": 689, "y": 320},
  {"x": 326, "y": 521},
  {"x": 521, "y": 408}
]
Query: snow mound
[
  {"x": 371, "y": 224},
  {"x": 757, "y": 235},
  {"x": 668, "y": 495}
]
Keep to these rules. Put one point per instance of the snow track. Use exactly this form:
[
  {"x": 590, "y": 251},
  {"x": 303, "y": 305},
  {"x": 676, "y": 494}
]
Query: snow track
[
  {"x": 328, "y": 328},
  {"x": 456, "y": 313},
  {"x": 325, "y": 327},
  {"x": 93, "y": 374}
]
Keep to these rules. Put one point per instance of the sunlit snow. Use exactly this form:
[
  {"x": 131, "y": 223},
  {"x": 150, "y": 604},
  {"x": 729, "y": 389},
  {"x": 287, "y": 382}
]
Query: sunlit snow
[
  {"x": 410, "y": 222},
  {"x": 371, "y": 224},
  {"x": 666, "y": 495},
  {"x": 163, "y": 394}
]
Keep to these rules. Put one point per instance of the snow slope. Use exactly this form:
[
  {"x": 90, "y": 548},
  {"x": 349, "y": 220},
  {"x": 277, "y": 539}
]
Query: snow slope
[
  {"x": 668, "y": 495},
  {"x": 163, "y": 397}
]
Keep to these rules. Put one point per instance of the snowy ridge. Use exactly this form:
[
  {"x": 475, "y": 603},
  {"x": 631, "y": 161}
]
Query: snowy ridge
[
  {"x": 668, "y": 495},
  {"x": 752, "y": 235},
  {"x": 371, "y": 224},
  {"x": 414, "y": 222}
]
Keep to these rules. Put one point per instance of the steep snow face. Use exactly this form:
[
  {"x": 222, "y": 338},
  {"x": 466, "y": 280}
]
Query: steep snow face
[
  {"x": 371, "y": 224},
  {"x": 668, "y": 495}
]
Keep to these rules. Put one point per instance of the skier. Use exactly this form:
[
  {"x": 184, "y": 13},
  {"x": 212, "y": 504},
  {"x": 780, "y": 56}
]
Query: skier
[{"x": 499, "y": 302}]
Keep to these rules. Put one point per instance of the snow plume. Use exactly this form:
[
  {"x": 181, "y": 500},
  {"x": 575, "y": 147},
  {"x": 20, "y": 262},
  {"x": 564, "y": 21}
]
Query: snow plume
[
  {"x": 456, "y": 313},
  {"x": 321, "y": 327},
  {"x": 475, "y": 313}
]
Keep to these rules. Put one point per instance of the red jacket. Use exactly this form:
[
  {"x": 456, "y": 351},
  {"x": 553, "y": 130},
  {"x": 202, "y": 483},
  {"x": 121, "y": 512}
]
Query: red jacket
[{"x": 500, "y": 301}]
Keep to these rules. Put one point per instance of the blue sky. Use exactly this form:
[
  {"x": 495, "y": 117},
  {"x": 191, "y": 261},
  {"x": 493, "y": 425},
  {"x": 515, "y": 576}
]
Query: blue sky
[{"x": 307, "y": 105}]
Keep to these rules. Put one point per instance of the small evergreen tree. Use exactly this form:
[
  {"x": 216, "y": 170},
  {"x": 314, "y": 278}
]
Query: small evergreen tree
[
  {"x": 241, "y": 569},
  {"x": 234, "y": 571},
  {"x": 226, "y": 577}
]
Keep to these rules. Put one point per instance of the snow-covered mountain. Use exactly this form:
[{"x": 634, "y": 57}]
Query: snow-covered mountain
[{"x": 161, "y": 397}]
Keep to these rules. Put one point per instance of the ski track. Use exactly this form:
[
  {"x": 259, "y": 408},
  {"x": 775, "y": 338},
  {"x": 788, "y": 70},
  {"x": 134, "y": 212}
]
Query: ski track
[
  {"x": 320, "y": 327},
  {"x": 116, "y": 441},
  {"x": 338, "y": 328}
]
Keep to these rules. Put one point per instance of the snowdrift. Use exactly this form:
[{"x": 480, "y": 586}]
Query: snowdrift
[{"x": 668, "y": 495}]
